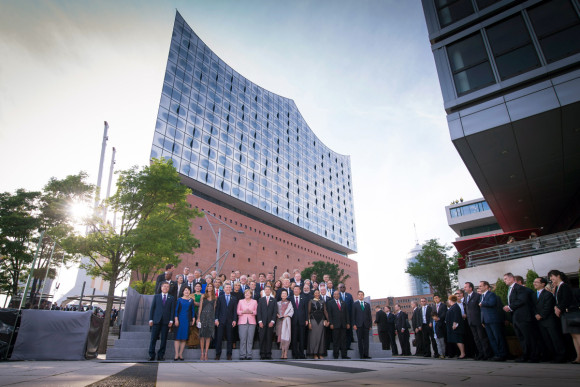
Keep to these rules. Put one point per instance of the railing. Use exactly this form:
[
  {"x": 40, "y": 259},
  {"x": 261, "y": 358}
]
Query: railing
[{"x": 541, "y": 245}]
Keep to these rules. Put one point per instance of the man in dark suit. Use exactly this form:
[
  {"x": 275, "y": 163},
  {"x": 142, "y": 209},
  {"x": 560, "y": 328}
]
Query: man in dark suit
[
  {"x": 226, "y": 318},
  {"x": 255, "y": 292},
  {"x": 285, "y": 286},
  {"x": 381, "y": 321},
  {"x": 167, "y": 280},
  {"x": 162, "y": 277},
  {"x": 266, "y": 317},
  {"x": 416, "y": 323},
  {"x": 348, "y": 300},
  {"x": 325, "y": 297},
  {"x": 519, "y": 303},
  {"x": 391, "y": 330},
  {"x": 492, "y": 321},
  {"x": 160, "y": 320},
  {"x": 299, "y": 323},
  {"x": 441, "y": 310},
  {"x": 402, "y": 325},
  {"x": 339, "y": 320},
  {"x": 362, "y": 322},
  {"x": 426, "y": 327},
  {"x": 473, "y": 312},
  {"x": 552, "y": 339}
]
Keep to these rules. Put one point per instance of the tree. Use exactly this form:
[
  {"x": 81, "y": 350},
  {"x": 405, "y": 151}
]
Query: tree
[
  {"x": 530, "y": 277},
  {"x": 18, "y": 229},
  {"x": 501, "y": 290},
  {"x": 320, "y": 268},
  {"x": 434, "y": 266},
  {"x": 155, "y": 221}
]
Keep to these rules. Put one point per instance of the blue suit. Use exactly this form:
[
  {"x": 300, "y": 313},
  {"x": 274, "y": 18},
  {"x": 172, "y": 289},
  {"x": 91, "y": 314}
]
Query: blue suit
[
  {"x": 226, "y": 314},
  {"x": 161, "y": 314},
  {"x": 492, "y": 319}
]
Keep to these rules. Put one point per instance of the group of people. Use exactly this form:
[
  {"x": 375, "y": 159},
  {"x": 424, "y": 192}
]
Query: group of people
[
  {"x": 473, "y": 322},
  {"x": 304, "y": 316}
]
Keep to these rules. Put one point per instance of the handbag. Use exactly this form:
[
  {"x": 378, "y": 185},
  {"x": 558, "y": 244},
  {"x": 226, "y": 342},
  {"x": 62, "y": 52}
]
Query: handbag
[
  {"x": 198, "y": 324},
  {"x": 572, "y": 319}
]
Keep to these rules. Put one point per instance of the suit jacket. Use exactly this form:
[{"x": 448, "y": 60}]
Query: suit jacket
[
  {"x": 325, "y": 298},
  {"x": 338, "y": 318},
  {"x": 472, "y": 309},
  {"x": 226, "y": 313},
  {"x": 256, "y": 294},
  {"x": 348, "y": 300},
  {"x": 520, "y": 303},
  {"x": 381, "y": 321},
  {"x": 428, "y": 313},
  {"x": 171, "y": 287},
  {"x": 565, "y": 298},
  {"x": 179, "y": 290},
  {"x": 266, "y": 312},
  {"x": 416, "y": 318},
  {"x": 545, "y": 307},
  {"x": 391, "y": 322},
  {"x": 279, "y": 293},
  {"x": 300, "y": 315},
  {"x": 442, "y": 312},
  {"x": 490, "y": 314},
  {"x": 159, "y": 313},
  {"x": 160, "y": 278},
  {"x": 361, "y": 318},
  {"x": 402, "y": 322}
]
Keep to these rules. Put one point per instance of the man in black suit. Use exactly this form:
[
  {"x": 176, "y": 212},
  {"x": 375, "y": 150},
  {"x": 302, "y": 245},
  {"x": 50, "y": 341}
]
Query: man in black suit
[
  {"x": 285, "y": 286},
  {"x": 167, "y": 280},
  {"x": 339, "y": 320},
  {"x": 255, "y": 292},
  {"x": 325, "y": 297},
  {"x": 552, "y": 339},
  {"x": 266, "y": 317},
  {"x": 160, "y": 320},
  {"x": 402, "y": 326},
  {"x": 362, "y": 322},
  {"x": 391, "y": 330},
  {"x": 426, "y": 327},
  {"x": 226, "y": 318},
  {"x": 299, "y": 323},
  {"x": 473, "y": 312},
  {"x": 416, "y": 323},
  {"x": 162, "y": 277},
  {"x": 381, "y": 321},
  {"x": 348, "y": 300},
  {"x": 441, "y": 310},
  {"x": 519, "y": 303}
]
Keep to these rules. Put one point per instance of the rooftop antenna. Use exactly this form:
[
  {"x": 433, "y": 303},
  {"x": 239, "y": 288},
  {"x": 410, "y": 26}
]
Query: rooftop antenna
[
  {"x": 416, "y": 237},
  {"x": 101, "y": 162}
]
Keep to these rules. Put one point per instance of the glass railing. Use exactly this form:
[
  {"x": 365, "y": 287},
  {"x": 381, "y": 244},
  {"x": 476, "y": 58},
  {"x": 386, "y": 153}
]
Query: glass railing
[{"x": 541, "y": 245}]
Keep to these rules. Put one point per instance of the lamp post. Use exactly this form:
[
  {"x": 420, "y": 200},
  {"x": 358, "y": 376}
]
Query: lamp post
[{"x": 218, "y": 238}]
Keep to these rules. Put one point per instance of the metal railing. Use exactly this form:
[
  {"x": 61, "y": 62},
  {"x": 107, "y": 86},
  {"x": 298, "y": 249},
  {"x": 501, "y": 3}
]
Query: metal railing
[{"x": 540, "y": 245}]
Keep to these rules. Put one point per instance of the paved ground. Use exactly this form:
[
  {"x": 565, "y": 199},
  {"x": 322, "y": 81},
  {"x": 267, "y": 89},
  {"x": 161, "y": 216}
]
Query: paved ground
[{"x": 397, "y": 371}]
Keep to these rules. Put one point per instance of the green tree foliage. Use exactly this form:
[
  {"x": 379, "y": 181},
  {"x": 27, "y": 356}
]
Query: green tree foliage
[
  {"x": 530, "y": 277},
  {"x": 144, "y": 287},
  {"x": 154, "y": 220},
  {"x": 18, "y": 230},
  {"x": 501, "y": 290},
  {"x": 320, "y": 268},
  {"x": 434, "y": 266}
]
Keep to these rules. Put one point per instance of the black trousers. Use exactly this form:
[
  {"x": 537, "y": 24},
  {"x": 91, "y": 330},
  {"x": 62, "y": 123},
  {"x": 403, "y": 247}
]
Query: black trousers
[
  {"x": 156, "y": 330},
  {"x": 362, "y": 335},
  {"x": 385, "y": 340},
  {"x": 428, "y": 339},
  {"x": 226, "y": 330},
  {"x": 525, "y": 333},
  {"x": 404, "y": 342},
  {"x": 327, "y": 338},
  {"x": 298, "y": 340},
  {"x": 481, "y": 341},
  {"x": 393, "y": 343},
  {"x": 265, "y": 335},
  {"x": 419, "y": 343},
  {"x": 552, "y": 339},
  {"x": 339, "y": 342}
]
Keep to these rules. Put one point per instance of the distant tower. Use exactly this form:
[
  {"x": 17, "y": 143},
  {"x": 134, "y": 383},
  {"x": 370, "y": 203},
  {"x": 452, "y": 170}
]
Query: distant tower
[{"x": 417, "y": 286}]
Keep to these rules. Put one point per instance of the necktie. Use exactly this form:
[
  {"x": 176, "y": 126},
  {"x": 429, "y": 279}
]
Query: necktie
[
  {"x": 468, "y": 297},
  {"x": 267, "y": 300},
  {"x": 227, "y": 299},
  {"x": 164, "y": 299},
  {"x": 342, "y": 296},
  {"x": 362, "y": 305},
  {"x": 297, "y": 302},
  {"x": 338, "y": 303},
  {"x": 538, "y": 296}
]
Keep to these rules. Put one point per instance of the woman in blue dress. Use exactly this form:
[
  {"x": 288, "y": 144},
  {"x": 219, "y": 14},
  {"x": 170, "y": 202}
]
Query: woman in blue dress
[{"x": 184, "y": 317}]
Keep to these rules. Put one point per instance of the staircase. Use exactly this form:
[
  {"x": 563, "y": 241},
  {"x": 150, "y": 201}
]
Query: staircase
[{"x": 134, "y": 346}]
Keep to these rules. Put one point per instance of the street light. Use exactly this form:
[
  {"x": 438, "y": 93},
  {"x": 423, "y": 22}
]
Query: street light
[{"x": 218, "y": 238}]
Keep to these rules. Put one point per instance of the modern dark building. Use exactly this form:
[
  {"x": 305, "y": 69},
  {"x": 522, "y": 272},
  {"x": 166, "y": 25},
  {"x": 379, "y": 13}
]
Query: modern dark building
[
  {"x": 251, "y": 160},
  {"x": 510, "y": 77}
]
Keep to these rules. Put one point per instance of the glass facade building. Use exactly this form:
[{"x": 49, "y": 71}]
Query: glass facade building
[
  {"x": 235, "y": 141},
  {"x": 509, "y": 72}
]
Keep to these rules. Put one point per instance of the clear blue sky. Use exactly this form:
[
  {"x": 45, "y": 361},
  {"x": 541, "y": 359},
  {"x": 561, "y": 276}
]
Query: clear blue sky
[{"x": 361, "y": 73}]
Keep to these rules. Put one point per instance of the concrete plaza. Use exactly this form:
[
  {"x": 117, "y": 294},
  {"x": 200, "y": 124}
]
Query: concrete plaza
[{"x": 396, "y": 371}]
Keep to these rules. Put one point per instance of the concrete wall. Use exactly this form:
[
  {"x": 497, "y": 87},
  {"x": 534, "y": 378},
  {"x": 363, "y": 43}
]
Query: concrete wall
[{"x": 565, "y": 260}]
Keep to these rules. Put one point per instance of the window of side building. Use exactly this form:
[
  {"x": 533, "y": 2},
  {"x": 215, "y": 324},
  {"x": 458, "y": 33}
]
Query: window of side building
[
  {"x": 470, "y": 64},
  {"x": 557, "y": 26},
  {"x": 450, "y": 11}
]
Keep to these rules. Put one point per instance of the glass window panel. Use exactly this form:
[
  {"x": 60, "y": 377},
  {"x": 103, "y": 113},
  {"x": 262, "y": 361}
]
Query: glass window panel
[
  {"x": 474, "y": 78},
  {"x": 467, "y": 52},
  {"x": 508, "y": 35},
  {"x": 450, "y": 11},
  {"x": 562, "y": 44},
  {"x": 481, "y": 4},
  {"x": 517, "y": 61}
]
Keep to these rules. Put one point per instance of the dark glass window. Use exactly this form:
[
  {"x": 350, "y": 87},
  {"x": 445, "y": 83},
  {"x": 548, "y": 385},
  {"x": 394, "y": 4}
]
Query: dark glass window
[
  {"x": 481, "y": 4},
  {"x": 470, "y": 64},
  {"x": 512, "y": 47},
  {"x": 557, "y": 26},
  {"x": 450, "y": 11}
]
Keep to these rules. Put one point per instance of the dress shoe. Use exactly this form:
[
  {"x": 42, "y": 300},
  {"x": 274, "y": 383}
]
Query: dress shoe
[
  {"x": 249, "y": 358},
  {"x": 335, "y": 357},
  {"x": 262, "y": 357},
  {"x": 367, "y": 357},
  {"x": 160, "y": 358},
  {"x": 346, "y": 357},
  {"x": 152, "y": 358},
  {"x": 229, "y": 357},
  {"x": 217, "y": 357},
  {"x": 427, "y": 355},
  {"x": 520, "y": 360},
  {"x": 497, "y": 358},
  {"x": 269, "y": 358}
]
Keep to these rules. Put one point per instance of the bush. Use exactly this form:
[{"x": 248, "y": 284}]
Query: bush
[
  {"x": 530, "y": 277},
  {"x": 144, "y": 287},
  {"x": 501, "y": 290}
]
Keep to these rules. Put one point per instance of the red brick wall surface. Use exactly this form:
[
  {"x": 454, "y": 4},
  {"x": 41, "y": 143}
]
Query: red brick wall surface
[{"x": 258, "y": 249}]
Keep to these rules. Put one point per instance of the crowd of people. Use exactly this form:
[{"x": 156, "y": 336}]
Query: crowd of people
[
  {"x": 301, "y": 316},
  {"x": 472, "y": 323}
]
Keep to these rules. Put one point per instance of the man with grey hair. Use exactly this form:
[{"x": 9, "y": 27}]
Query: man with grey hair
[
  {"x": 190, "y": 283},
  {"x": 197, "y": 277}
]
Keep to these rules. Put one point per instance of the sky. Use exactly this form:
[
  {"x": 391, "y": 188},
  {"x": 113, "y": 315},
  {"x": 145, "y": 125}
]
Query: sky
[{"x": 361, "y": 73}]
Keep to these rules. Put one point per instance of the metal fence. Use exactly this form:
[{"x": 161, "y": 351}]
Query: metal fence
[{"x": 526, "y": 248}]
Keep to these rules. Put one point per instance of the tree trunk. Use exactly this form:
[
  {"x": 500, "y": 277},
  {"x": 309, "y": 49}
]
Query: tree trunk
[{"x": 108, "y": 310}]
